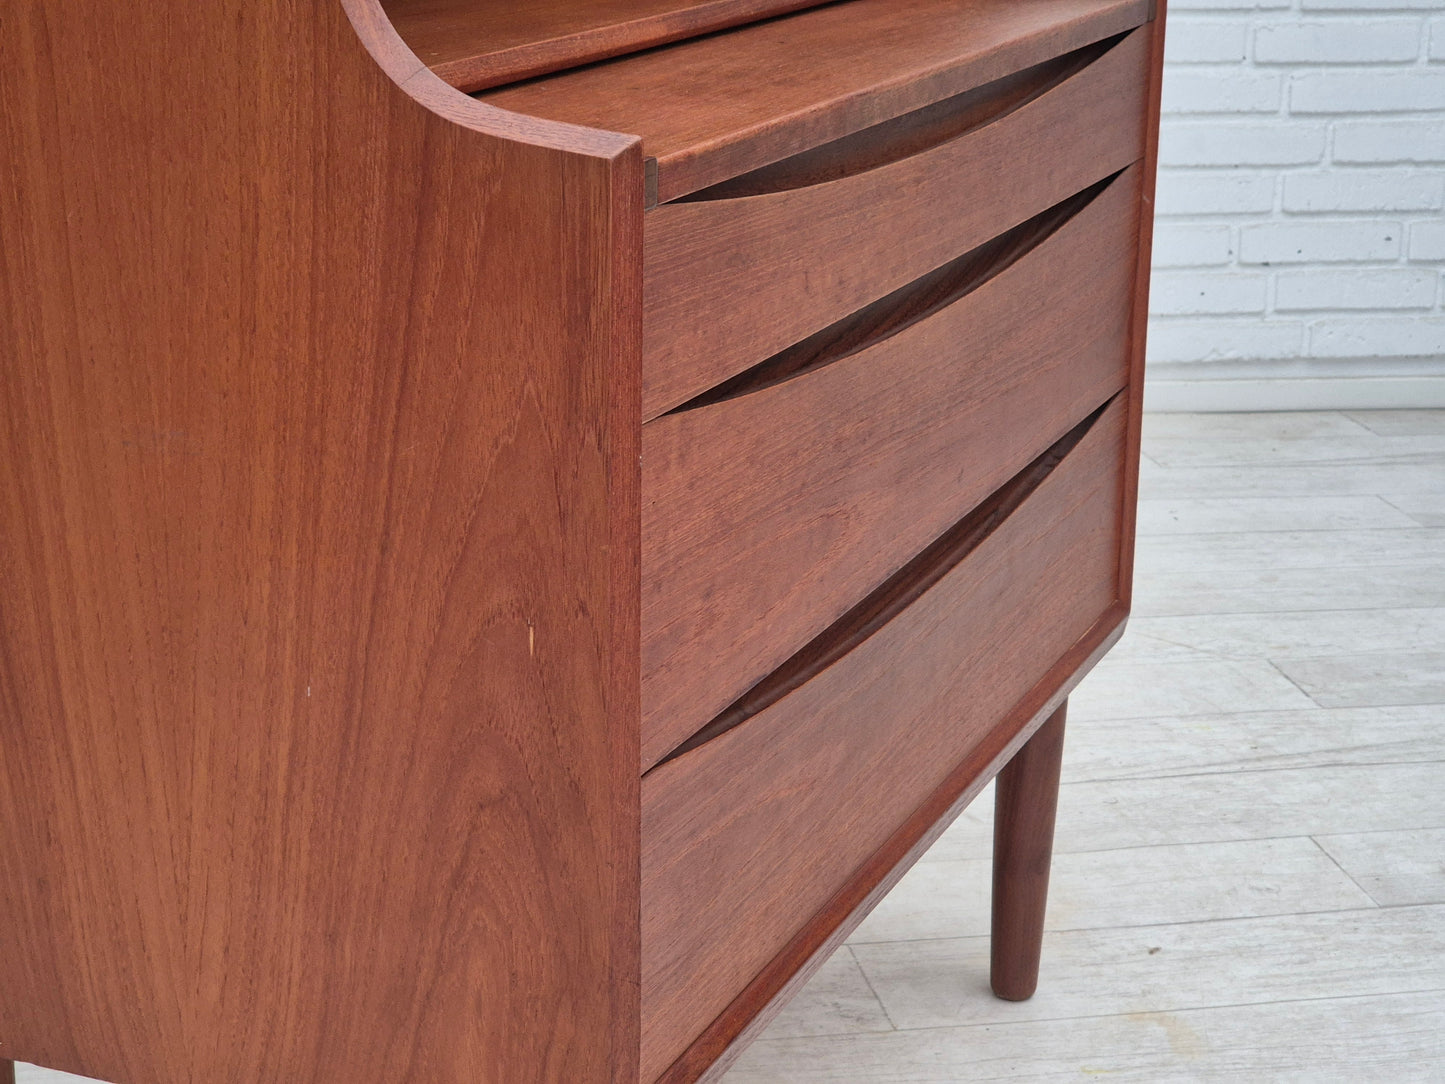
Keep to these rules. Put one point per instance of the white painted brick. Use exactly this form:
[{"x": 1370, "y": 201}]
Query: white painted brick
[
  {"x": 1213, "y": 192},
  {"x": 1338, "y": 41},
  {"x": 1190, "y": 293},
  {"x": 1415, "y": 140},
  {"x": 1318, "y": 242},
  {"x": 1224, "y": 340},
  {"x": 1298, "y": 167},
  {"x": 1222, "y": 90},
  {"x": 1427, "y": 241},
  {"x": 1179, "y": 245},
  {"x": 1205, "y": 41},
  {"x": 1364, "y": 190},
  {"x": 1376, "y": 288},
  {"x": 1240, "y": 143},
  {"x": 1400, "y": 337},
  {"x": 1385, "y": 91},
  {"x": 1370, "y": 5}
]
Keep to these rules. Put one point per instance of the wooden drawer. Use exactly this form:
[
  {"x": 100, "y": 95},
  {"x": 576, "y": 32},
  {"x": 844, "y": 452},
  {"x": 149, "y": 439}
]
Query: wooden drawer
[
  {"x": 730, "y": 281},
  {"x": 747, "y": 836},
  {"x": 766, "y": 515}
]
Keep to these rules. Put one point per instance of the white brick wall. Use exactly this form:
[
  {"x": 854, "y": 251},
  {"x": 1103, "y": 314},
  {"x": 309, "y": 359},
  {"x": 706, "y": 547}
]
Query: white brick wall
[{"x": 1300, "y": 243}]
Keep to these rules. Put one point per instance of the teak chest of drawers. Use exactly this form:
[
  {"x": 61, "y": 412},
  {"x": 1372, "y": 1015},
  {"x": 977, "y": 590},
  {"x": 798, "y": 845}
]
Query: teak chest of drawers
[{"x": 521, "y": 521}]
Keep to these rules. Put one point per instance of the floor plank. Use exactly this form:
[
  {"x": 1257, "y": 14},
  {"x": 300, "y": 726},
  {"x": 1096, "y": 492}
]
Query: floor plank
[
  {"x": 1333, "y": 451},
  {"x": 1145, "y": 886},
  {"x": 929, "y": 984},
  {"x": 1395, "y": 868},
  {"x": 1350, "y": 680},
  {"x": 1133, "y": 688},
  {"x": 1103, "y": 746},
  {"x": 1297, "y": 482},
  {"x": 1289, "y": 425},
  {"x": 1265, "y": 550},
  {"x": 1284, "y": 590},
  {"x": 1222, "y": 806},
  {"x": 1400, "y": 423},
  {"x": 1396, "y": 1037},
  {"x": 1426, "y": 509},
  {"x": 1282, "y": 635},
  {"x": 1230, "y": 514}
]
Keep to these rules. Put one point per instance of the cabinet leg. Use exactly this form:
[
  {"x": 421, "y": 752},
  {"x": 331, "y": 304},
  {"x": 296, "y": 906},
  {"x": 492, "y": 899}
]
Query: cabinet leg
[
  {"x": 1025, "y": 801},
  {"x": 7, "y": 1072}
]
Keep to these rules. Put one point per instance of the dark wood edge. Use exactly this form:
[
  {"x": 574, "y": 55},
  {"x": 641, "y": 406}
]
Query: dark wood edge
[
  {"x": 714, "y": 1051},
  {"x": 1139, "y": 317}
]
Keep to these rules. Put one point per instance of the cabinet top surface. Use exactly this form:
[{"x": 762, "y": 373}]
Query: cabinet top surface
[
  {"x": 474, "y": 44},
  {"x": 713, "y": 107}
]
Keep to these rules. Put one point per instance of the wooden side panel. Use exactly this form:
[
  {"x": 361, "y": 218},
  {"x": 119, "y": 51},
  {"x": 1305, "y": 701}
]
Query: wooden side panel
[
  {"x": 474, "y": 44},
  {"x": 746, "y": 837},
  {"x": 732, "y": 281},
  {"x": 318, "y": 603},
  {"x": 766, "y": 516}
]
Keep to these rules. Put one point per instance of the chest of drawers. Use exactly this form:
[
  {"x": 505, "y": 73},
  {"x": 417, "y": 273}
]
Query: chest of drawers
[{"x": 522, "y": 521}]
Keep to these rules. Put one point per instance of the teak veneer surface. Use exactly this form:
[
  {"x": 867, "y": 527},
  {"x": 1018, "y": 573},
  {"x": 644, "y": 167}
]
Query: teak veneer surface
[
  {"x": 718, "y": 106},
  {"x": 747, "y": 836},
  {"x": 768, "y": 515},
  {"x": 474, "y": 44},
  {"x": 730, "y": 282},
  {"x": 318, "y": 577}
]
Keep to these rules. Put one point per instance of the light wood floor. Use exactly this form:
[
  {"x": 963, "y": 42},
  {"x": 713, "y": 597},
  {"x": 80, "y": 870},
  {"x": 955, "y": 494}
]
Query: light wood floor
[{"x": 1249, "y": 882}]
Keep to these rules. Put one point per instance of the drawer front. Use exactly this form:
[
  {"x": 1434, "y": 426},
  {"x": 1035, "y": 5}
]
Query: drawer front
[
  {"x": 746, "y": 837},
  {"x": 766, "y": 516},
  {"x": 731, "y": 281}
]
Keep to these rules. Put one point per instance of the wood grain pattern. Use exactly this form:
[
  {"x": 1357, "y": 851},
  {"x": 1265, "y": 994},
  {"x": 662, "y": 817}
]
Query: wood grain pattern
[
  {"x": 748, "y": 1015},
  {"x": 897, "y": 312},
  {"x": 1026, "y": 800},
  {"x": 767, "y": 516},
  {"x": 892, "y": 597},
  {"x": 714, "y": 108},
  {"x": 770, "y": 270},
  {"x": 474, "y": 44},
  {"x": 318, "y": 500},
  {"x": 747, "y": 837}
]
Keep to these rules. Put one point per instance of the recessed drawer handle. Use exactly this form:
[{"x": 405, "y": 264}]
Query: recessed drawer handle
[
  {"x": 908, "y": 135},
  {"x": 903, "y": 308},
  {"x": 894, "y": 595}
]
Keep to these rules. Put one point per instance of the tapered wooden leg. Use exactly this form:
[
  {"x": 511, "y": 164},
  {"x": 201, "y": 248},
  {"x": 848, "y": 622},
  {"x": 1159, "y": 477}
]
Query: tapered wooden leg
[
  {"x": 1025, "y": 801},
  {"x": 7, "y": 1072}
]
